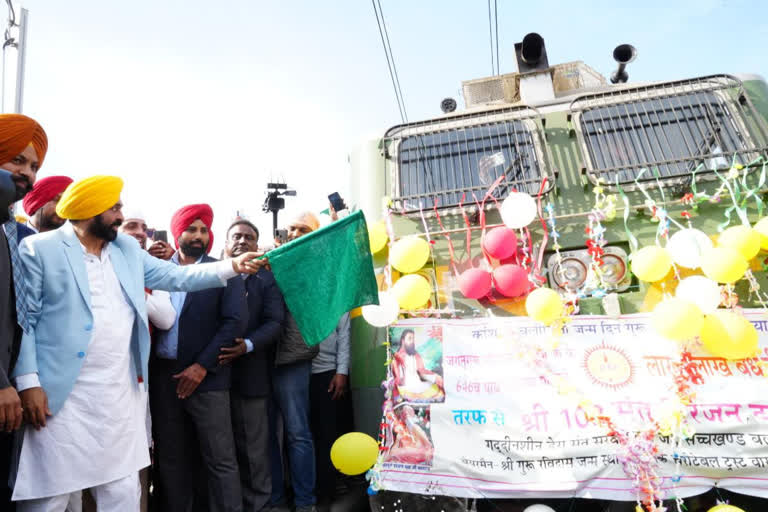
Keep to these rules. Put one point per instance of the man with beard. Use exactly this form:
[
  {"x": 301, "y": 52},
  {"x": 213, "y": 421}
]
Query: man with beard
[
  {"x": 189, "y": 396},
  {"x": 413, "y": 380},
  {"x": 40, "y": 203},
  {"x": 85, "y": 353},
  {"x": 23, "y": 145},
  {"x": 251, "y": 357}
]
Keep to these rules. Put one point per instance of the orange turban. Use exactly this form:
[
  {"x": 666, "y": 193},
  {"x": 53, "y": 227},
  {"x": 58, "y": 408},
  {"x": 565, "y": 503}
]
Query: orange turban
[
  {"x": 308, "y": 219},
  {"x": 18, "y": 131},
  {"x": 44, "y": 190},
  {"x": 90, "y": 197},
  {"x": 186, "y": 215}
]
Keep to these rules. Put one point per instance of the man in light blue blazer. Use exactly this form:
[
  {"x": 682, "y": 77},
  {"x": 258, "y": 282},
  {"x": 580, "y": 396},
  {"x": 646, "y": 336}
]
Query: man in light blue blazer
[{"x": 82, "y": 367}]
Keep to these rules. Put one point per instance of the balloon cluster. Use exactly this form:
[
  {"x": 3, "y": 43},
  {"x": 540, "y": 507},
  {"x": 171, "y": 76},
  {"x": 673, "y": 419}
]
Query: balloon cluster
[
  {"x": 412, "y": 291},
  {"x": 517, "y": 211},
  {"x": 693, "y": 311}
]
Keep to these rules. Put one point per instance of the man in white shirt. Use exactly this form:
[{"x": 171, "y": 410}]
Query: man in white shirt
[{"x": 82, "y": 364}]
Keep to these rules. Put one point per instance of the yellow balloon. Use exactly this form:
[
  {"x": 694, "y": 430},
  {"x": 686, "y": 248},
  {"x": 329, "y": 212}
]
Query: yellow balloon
[
  {"x": 354, "y": 453},
  {"x": 723, "y": 264},
  {"x": 412, "y": 291},
  {"x": 409, "y": 254},
  {"x": 729, "y": 335},
  {"x": 544, "y": 305},
  {"x": 377, "y": 235},
  {"x": 742, "y": 238},
  {"x": 677, "y": 319},
  {"x": 762, "y": 229},
  {"x": 725, "y": 508},
  {"x": 651, "y": 263}
]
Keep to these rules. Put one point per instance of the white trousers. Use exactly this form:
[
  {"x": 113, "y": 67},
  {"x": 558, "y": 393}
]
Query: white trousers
[{"x": 122, "y": 495}]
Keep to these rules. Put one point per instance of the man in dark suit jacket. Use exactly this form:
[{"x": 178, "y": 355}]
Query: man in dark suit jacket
[
  {"x": 23, "y": 145},
  {"x": 250, "y": 359},
  {"x": 189, "y": 389}
]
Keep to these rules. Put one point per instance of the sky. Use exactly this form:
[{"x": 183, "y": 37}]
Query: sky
[{"x": 206, "y": 101}]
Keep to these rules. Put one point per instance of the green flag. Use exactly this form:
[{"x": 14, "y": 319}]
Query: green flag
[{"x": 324, "y": 274}]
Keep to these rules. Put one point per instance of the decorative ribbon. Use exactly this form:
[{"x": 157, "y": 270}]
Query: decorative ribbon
[{"x": 451, "y": 251}]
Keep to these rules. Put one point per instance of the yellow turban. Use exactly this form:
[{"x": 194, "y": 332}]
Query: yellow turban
[{"x": 89, "y": 197}]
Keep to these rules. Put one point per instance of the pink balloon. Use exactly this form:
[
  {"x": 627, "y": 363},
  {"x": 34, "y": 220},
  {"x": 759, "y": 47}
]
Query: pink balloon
[
  {"x": 511, "y": 280},
  {"x": 475, "y": 283},
  {"x": 501, "y": 242}
]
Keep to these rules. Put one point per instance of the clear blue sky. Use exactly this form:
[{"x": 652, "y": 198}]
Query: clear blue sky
[{"x": 194, "y": 100}]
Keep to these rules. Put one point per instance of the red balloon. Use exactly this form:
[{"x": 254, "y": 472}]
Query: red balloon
[
  {"x": 500, "y": 242},
  {"x": 475, "y": 283},
  {"x": 511, "y": 280}
]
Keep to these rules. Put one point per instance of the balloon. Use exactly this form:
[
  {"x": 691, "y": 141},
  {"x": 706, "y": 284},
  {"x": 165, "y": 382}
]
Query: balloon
[
  {"x": 762, "y": 228},
  {"x": 409, "y": 254},
  {"x": 384, "y": 313},
  {"x": 725, "y": 508},
  {"x": 412, "y": 291},
  {"x": 729, "y": 335},
  {"x": 500, "y": 243},
  {"x": 544, "y": 305},
  {"x": 700, "y": 290},
  {"x": 651, "y": 263},
  {"x": 686, "y": 247},
  {"x": 511, "y": 280},
  {"x": 354, "y": 453},
  {"x": 518, "y": 210},
  {"x": 539, "y": 508},
  {"x": 377, "y": 235},
  {"x": 475, "y": 283},
  {"x": 723, "y": 264},
  {"x": 742, "y": 238},
  {"x": 677, "y": 319}
]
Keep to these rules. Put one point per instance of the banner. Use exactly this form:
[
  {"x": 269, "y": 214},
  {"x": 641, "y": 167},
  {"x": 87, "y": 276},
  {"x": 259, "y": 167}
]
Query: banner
[{"x": 501, "y": 408}]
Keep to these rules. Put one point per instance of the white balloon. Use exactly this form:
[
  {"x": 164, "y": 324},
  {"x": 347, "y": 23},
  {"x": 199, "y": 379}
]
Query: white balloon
[
  {"x": 700, "y": 290},
  {"x": 687, "y": 245},
  {"x": 539, "y": 508},
  {"x": 383, "y": 314},
  {"x": 518, "y": 210}
]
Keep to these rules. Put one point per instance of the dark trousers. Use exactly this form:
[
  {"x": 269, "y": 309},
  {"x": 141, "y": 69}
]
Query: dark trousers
[
  {"x": 327, "y": 420},
  {"x": 186, "y": 432},
  {"x": 250, "y": 424},
  {"x": 6, "y": 451}
]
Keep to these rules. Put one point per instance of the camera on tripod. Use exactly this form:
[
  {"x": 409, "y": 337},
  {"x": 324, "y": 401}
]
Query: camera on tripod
[{"x": 275, "y": 201}]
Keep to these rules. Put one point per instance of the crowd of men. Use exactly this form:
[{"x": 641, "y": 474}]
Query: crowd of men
[{"x": 129, "y": 364}]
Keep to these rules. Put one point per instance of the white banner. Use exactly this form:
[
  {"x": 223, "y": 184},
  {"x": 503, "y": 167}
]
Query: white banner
[{"x": 474, "y": 414}]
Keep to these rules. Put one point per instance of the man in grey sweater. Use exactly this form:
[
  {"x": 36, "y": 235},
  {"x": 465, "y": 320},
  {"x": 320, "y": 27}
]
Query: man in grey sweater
[{"x": 327, "y": 389}]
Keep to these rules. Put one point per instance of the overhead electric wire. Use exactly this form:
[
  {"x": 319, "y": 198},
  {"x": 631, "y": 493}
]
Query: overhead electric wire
[
  {"x": 392, "y": 56},
  {"x": 384, "y": 34}
]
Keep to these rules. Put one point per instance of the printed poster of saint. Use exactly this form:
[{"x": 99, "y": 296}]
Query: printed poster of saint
[{"x": 417, "y": 364}]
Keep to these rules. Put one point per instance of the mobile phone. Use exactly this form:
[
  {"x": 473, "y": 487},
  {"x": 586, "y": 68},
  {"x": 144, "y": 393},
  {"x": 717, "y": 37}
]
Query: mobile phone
[
  {"x": 337, "y": 202},
  {"x": 161, "y": 236},
  {"x": 281, "y": 236}
]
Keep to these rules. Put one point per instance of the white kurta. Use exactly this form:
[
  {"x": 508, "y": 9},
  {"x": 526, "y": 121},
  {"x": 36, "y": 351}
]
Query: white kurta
[{"x": 100, "y": 433}]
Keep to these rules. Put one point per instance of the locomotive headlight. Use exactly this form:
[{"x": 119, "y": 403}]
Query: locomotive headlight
[
  {"x": 614, "y": 269},
  {"x": 570, "y": 273}
]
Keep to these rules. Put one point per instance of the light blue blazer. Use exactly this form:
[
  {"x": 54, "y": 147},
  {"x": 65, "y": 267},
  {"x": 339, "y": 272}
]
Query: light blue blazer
[{"x": 60, "y": 304}]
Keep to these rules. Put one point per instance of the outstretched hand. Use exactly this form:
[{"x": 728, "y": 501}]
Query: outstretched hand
[{"x": 248, "y": 263}]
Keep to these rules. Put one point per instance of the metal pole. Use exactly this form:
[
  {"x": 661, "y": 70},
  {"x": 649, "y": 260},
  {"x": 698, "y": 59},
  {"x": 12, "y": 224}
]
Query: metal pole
[
  {"x": 274, "y": 222},
  {"x": 21, "y": 60}
]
